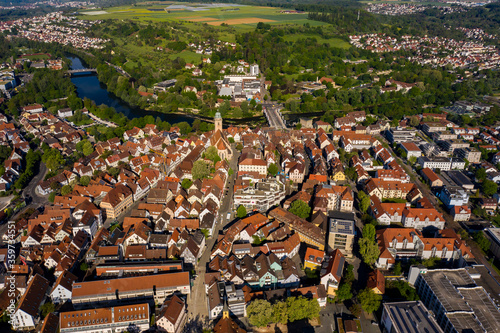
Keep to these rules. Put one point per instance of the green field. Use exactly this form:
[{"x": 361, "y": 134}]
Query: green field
[
  {"x": 246, "y": 17},
  {"x": 333, "y": 42},
  {"x": 37, "y": 57}
]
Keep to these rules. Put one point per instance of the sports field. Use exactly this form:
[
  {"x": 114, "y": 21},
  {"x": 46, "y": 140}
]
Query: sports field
[{"x": 238, "y": 16}]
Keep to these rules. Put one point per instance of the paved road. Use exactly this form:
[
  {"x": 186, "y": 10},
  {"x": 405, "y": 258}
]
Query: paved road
[
  {"x": 119, "y": 69},
  {"x": 30, "y": 190},
  {"x": 197, "y": 301},
  {"x": 273, "y": 116},
  {"x": 5, "y": 201},
  {"x": 100, "y": 121}
]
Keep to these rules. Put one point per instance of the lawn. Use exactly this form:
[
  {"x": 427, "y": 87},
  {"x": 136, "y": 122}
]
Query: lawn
[
  {"x": 334, "y": 42},
  {"x": 188, "y": 56},
  {"x": 36, "y": 57}
]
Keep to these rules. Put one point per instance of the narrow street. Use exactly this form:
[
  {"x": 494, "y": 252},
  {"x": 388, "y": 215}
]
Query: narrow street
[{"x": 197, "y": 301}]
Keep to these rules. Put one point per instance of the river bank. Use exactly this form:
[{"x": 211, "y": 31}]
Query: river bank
[{"x": 89, "y": 86}]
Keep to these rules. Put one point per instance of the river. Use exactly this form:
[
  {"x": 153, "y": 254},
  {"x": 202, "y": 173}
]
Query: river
[{"x": 90, "y": 87}]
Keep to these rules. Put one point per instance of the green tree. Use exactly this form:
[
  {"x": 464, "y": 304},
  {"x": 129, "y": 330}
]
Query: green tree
[
  {"x": 47, "y": 308},
  {"x": 480, "y": 174},
  {"x": 84, "y": 180},
  {"x": 368, "y": 250},
  {"x": 351, "y": 174},
  {"x": 52, "y": 196},
  {"x": 280, "y": 313},
  {"x": 84, "y": 266},
  {"x": 300, "y": 208},
  {"x": 212, "y": 154},
  {"x": 481, "y": 240},
  {"x": 302, "y": 308},
  {"x": 364, "y": 201},
  {"x": 200, "y": 170},
  {"x": 369, "y": 232},
  {"x": 260, "y": 313},
  {"x": 414, "y": 121},
  {"x": 343, "y": 293},
  {"x": 241, "y": 212},
  {"x": 489, "y": 187},
  {"x": 186, "y": 183},
  {"x": 397, "y": 270},
  {"x": 349, "y": 274},
  {"x": 368, "y": 300},
  {"x": 53, "y": 159},
  {"x": 66, "y": 189},
  {"x": 87, "y": 148},
  {"x": 205, "y": 233},
  {"x": 273, "y": 169}
]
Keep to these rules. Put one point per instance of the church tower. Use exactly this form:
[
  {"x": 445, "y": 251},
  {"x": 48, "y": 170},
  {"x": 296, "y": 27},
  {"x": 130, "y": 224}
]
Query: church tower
[{"x": 218, "y": 122}]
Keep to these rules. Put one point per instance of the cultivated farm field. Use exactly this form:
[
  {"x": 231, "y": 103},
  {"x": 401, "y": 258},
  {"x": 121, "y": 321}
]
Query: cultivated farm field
[{"x": 241, "y": 17}]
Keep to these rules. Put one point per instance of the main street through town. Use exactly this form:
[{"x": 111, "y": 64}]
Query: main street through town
[{"x": 197, "y": 300}]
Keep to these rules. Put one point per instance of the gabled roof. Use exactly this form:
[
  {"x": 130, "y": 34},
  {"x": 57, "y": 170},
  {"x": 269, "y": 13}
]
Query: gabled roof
[
  {"x": 35, "y": 293},
  {"x": 376, "y": 280},
  {"x": 335, "y": 265},
  {"x": 172, "y": 309},
  {"x": 65, "y": 280}
]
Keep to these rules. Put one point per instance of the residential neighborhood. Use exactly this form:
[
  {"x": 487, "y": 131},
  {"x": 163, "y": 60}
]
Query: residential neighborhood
[
  {"x": 313, "y": 167},
  {"x": 208, "y": 223}
]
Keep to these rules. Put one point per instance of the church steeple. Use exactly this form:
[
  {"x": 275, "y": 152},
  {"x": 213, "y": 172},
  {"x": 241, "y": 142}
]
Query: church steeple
[
  {"x": 225, "y": 309},
  {"x": 218, "y": 122}
]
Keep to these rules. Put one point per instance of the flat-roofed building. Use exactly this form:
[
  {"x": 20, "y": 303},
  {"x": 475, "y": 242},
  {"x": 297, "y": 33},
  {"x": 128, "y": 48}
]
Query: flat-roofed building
[
  {"x": 408, "y": 317},
  {"x": 441, "y": 163},
  {"x": 262, "y": 196},
  {"x": 131, "y": 318},
  {"x": 400, "y": 135},
  {"x": 493, "y": 235},
  {"x": 149, "y": 287},
  {"x": 341, "y": 232},
  {"x": 470, "y": 154},
  {"x": 458, "y": 302},
  {"x": 451, "y": 145},
  {"x": 458, "y": 178}
]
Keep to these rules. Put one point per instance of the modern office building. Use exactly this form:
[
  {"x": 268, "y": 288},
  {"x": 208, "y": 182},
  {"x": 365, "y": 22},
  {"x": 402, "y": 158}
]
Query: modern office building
[{"x": 341, "y": 232}]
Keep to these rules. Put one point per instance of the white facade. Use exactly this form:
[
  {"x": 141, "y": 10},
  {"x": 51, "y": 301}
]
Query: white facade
[{"x": 60, "y": 294}]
